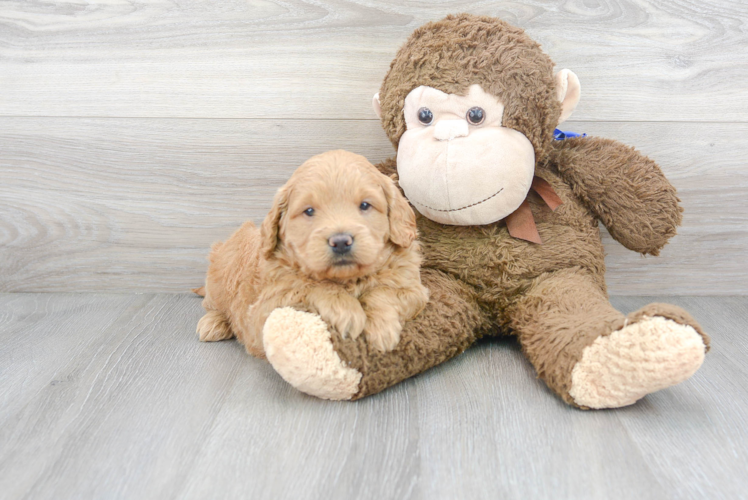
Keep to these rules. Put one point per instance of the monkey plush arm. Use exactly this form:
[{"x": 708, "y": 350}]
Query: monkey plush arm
[{"x": 626, "y": 190}]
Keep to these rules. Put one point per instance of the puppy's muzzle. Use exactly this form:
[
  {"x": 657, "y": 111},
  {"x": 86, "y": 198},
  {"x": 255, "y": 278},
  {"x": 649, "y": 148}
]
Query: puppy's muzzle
[{"x": 341, "y": 243}]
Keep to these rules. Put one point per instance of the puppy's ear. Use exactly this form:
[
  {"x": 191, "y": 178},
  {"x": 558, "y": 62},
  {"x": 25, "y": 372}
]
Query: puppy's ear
[
  {"x": 270, "y": 226},
  {"x": 401, "y": 216}
]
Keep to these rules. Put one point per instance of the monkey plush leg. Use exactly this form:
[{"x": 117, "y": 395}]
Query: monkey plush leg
[
  {"x": 298, "y": 344},
  {"x": 593, "y": 356},
  {"x": 305, "y": 353}
]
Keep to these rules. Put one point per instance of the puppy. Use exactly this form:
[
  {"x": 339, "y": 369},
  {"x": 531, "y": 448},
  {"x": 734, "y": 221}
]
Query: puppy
[{"x": 339, "y": 241}]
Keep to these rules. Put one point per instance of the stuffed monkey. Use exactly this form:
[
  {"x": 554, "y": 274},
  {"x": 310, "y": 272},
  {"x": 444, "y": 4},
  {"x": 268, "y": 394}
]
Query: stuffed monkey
[{"x": 508, "y": 222}]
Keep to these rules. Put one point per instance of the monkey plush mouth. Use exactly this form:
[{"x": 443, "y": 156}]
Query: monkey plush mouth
[{"x": 461, "y": 208}]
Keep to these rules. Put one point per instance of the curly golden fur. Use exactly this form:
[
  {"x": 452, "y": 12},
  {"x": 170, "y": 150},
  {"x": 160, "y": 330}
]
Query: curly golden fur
[{"x": 372, "y": 286}]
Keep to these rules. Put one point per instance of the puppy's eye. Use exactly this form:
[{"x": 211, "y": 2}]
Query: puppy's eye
[
  {"x": 476, "y": 115},
  {"x": 309, "y": 212},
  {"x": 425, "y": 116},
  {"x": 364, "y": 206}
]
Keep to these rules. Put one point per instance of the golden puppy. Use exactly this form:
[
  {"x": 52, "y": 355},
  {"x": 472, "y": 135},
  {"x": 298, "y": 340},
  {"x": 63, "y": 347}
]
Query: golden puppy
[{"x": 339, "y": 241}]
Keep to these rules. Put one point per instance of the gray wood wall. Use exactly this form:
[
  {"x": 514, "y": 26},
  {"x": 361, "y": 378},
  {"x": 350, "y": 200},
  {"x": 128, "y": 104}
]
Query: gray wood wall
[{"x": 133, "y": 134}]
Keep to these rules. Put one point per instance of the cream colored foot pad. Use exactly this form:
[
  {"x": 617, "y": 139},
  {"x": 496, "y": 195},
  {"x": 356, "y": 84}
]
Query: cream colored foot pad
[
  {"x": 298, "y": 346},
  {"x": 634, "y": 361}
]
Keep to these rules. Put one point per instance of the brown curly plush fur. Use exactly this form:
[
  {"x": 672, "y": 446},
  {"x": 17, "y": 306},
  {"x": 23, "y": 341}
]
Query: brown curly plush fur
[
  {"x": 458, "y": 51},
  {"x": 483, "y": 281}
]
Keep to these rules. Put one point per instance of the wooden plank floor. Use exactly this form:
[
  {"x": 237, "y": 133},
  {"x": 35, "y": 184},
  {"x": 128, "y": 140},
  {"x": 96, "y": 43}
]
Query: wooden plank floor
[{"x": 112, "y": 396}]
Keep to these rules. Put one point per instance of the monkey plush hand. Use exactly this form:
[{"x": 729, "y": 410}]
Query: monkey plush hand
[{"x": 508, "y": 220}]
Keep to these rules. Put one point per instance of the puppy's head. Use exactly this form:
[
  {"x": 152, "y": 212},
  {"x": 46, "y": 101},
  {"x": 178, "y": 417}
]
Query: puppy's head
[{"x": 337, "y": 217}]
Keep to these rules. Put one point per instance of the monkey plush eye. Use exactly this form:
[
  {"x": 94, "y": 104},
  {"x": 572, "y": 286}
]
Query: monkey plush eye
[
  {"x": 425, "y": 116},
  {"x": 364, "y": 206},
  {"x": 309, "y": 212},
  {"x": 476, "y": 115}
]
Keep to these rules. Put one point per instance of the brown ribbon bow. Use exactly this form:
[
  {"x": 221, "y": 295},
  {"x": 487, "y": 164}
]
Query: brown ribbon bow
[{"x": 521, "y": 223}]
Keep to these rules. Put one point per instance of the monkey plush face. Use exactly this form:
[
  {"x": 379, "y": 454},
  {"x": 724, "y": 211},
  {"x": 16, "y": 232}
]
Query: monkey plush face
[
  {"x": 457, "y": 164},
  {"x": 471, "y": 103}
]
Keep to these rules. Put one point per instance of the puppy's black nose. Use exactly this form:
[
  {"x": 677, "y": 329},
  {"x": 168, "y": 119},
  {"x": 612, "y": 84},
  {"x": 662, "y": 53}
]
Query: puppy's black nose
[{"x": 341, "y": 243}]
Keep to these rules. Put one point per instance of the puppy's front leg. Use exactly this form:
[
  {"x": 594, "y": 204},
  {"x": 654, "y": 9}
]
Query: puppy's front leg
[
  {"x": 386, "y": 309},
  {"x": 383, "y": 328},
  {"x": 338, "y": 308}
]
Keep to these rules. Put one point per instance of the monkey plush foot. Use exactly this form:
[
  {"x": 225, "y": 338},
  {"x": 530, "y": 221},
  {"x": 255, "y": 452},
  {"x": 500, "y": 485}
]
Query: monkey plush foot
[
  {"x": 298, "y": 345},
  {"x": 641, "y": 358}
]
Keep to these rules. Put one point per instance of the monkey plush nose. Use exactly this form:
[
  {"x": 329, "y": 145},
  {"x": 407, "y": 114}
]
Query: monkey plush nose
[
  {"x": 341, "y": 243},
  {"x": 446, "y": 130}
]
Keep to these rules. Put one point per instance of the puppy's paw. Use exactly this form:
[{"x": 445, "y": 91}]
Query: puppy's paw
[
  {"x": 383, "y": 331},
  {"x": 340, "y": 310},
  {"x": 213, "y": 327},
  {"x": 348, "y": 322}
]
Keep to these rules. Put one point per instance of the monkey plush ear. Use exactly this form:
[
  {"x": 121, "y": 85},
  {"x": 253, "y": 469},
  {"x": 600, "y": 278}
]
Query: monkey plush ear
[
  {"x": 568, "y": 92},
  {"x": 270, "y": 226},
  {"x": 377, "y": 107}
]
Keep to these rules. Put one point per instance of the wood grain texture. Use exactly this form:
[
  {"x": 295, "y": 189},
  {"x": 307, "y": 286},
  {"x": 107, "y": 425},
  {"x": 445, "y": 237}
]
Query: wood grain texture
[
  {"x": 637, "y": 59},
  {"x": 134, "y": 204},
  {"x": 112, "y": 396}
]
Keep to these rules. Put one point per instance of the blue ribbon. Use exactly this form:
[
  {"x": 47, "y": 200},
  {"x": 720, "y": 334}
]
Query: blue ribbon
[{"x": 560, "y": 135}]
